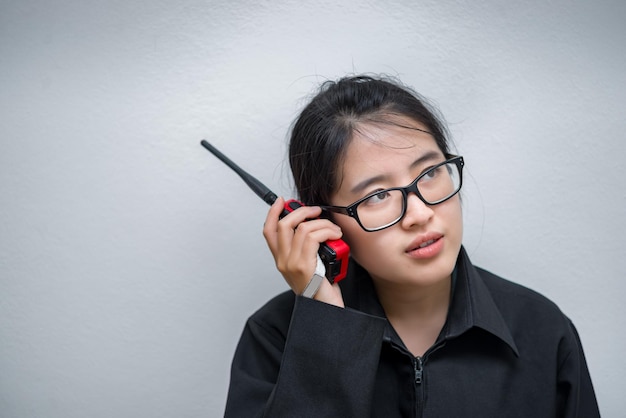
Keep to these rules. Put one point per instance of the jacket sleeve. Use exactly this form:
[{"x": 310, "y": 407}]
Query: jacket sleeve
[
  {"x": 323, "y": 365},
  {"x": 577, "y": 398}
]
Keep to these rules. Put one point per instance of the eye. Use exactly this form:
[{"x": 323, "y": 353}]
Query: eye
[
  {"x": 377, "y": 198},
  {"x": 432, "y": 173}
]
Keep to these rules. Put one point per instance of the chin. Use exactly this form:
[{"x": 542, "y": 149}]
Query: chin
[
  {"x": 414, "y": 272},
  {"x": 438, "y": 269}
]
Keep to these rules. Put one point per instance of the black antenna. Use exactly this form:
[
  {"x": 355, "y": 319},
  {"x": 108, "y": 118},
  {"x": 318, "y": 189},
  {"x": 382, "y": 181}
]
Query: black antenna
[{"x": 257, "y": 187}]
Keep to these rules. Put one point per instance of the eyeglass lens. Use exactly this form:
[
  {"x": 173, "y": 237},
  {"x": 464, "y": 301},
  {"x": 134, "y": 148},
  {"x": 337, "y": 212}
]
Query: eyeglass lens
[{"x": 387, "y": 206}]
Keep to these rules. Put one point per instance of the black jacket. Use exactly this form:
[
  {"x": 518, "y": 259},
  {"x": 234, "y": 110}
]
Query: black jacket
[{"x": 505, "y": 351}]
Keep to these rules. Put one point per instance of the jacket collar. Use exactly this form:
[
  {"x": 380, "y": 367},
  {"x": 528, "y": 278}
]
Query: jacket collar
[{"x": 472, "y": 304}]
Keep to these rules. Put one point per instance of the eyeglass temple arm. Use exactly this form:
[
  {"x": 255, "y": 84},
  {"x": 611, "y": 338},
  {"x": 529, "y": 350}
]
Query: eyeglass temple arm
[{"x": 337, "y": 209}]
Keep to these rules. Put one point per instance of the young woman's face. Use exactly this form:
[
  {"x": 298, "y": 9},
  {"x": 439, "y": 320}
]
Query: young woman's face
[{"x": 423, "y": 247}]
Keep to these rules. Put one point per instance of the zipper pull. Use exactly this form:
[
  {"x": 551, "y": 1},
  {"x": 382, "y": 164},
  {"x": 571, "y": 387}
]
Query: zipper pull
[{"x": 418, "y": 365}]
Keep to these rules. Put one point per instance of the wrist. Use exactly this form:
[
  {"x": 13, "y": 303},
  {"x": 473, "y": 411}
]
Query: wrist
[
  {"x": 313, "y": 286},
  {"x": 330, "y": 294},
  {"x": 319, "y": 288}
]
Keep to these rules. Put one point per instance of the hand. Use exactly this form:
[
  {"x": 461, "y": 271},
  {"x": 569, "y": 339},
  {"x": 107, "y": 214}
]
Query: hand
[{"x": 294, "y": 244}]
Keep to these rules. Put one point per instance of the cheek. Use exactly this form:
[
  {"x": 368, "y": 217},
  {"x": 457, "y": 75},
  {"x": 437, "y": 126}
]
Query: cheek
[
  {"x": 354, "y": 235},
  {"x": 451, "y": 215},
  {"x": 457, "y": 210},
  {"x": 348, "y": 226},
  {"x": 369, "y": 249}
]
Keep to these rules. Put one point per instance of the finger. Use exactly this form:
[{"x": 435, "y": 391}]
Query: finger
[
  {"x": 310, "y": 234},
  {"x": 288, "y": 224},
  {"x": 304, "y": 245},
  {"x": 270, "y": 227},
  {"x": 304, "y": 213}
]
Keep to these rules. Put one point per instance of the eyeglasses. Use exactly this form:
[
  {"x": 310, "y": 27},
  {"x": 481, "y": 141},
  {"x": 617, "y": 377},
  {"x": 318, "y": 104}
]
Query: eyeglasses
[{"x": 385, "y": 208}]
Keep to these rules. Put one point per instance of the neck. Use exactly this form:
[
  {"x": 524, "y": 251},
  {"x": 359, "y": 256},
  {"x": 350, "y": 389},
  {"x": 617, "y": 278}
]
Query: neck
[
  {"x": 417, "y": 313},
  {"x": 410, "y": 301}
]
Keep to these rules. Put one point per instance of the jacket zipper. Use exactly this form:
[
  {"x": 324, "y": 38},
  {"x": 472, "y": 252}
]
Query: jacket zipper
[{"x": 418, "y": 368}]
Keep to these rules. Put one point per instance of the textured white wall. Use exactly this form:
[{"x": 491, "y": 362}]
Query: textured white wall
[{"x": 130, "y": 257}]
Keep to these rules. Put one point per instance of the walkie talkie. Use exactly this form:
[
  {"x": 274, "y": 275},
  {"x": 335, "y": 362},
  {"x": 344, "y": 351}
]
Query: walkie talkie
[{"x": 333, "y": 253}]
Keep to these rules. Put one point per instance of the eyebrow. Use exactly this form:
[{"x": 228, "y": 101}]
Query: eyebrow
[{"x": 361, "y": 186}]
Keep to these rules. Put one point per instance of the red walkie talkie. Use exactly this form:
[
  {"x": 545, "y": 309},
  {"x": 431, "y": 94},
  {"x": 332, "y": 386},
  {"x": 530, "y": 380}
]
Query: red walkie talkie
[{"x": 333, "y": 253}]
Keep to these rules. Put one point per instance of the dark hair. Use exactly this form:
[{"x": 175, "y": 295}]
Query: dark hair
[{"x": 323, "y": 130}]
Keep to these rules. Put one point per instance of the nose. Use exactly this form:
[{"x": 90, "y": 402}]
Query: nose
[{"x": 417, "y": 212}]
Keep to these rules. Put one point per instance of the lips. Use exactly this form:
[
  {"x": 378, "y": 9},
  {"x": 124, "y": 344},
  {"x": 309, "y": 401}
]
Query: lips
[
  {"x": 427, "y": 243},
  {"x": 425, "y": 246},
  {"x": 424, "y": 241}
]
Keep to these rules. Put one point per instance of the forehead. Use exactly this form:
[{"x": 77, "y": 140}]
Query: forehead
[{"x": 381, "y": 148}]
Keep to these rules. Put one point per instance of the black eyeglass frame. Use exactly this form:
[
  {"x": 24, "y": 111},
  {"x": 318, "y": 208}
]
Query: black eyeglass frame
[{"x": 351, "y": 211}]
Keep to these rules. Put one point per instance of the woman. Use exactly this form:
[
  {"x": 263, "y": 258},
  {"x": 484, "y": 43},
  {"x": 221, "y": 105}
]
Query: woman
[{"x": 415, "y": 329}]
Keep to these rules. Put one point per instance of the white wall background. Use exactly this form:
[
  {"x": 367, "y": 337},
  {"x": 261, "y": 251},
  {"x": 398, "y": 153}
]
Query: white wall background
[{"x": 130, "y": 257}]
